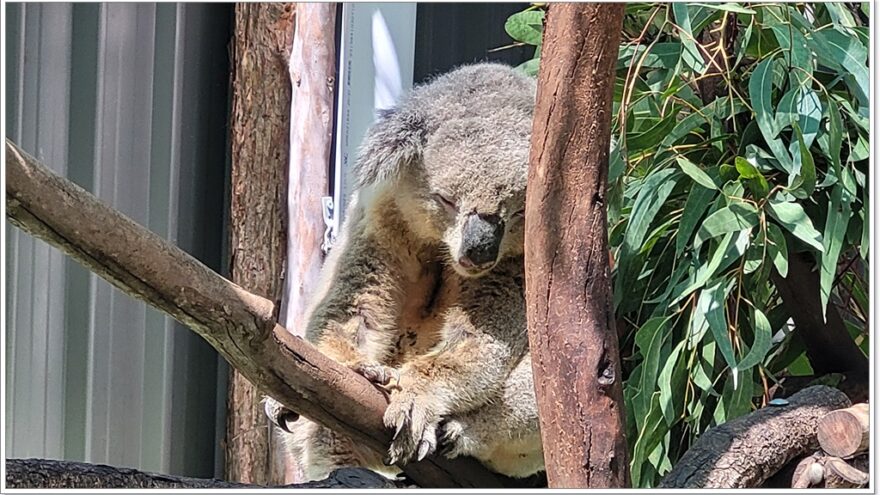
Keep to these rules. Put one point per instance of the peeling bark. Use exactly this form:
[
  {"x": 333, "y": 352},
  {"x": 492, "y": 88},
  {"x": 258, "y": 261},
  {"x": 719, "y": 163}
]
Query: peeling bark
[{"x": 575, "y": 355}]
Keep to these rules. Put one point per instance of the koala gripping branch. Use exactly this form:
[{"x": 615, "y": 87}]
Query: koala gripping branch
[
  {"x": 239, "y": 325},
  {"x": 574, "y": 347}
]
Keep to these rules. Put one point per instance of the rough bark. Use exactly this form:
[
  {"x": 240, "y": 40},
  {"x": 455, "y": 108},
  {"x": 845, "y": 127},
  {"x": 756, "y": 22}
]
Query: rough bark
[
  {"x": 573, "y": 342},
  {"x": 828, "y": 344},
  {"x": 50, "y": 474},
  {"x": 259, "y": 121},
  {"x": 238, "y": 324},
  {"x": 745, "y": 452}
]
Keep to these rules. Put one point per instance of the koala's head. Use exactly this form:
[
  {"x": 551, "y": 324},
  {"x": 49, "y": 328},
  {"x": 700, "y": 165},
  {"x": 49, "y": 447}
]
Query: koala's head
[{"x": 455, "y": 154}]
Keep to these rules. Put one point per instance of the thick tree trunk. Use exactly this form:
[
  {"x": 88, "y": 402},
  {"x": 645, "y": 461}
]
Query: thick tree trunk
[
  {"x": 238, "y": 324},
  {"x": 829, "y": 345},
  {"x": 49, "y": 474},
  {"x": 572, "y": 338},
  {"x": 260, "y": 122},
  {"x": 745, "y": 452}
]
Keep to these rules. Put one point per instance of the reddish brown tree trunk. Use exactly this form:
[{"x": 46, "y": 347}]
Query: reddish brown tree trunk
[
  {"x": 573, "y": 343},
  {"x": 260, "y": 122}
]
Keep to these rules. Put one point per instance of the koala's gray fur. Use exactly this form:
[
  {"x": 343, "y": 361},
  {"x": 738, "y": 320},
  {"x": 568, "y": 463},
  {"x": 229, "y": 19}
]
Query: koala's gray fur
[{"x": 424, "y": 290}]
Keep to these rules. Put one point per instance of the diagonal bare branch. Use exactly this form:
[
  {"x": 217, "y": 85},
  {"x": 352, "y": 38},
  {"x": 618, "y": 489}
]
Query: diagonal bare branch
[{"x": 240, "y": 325}]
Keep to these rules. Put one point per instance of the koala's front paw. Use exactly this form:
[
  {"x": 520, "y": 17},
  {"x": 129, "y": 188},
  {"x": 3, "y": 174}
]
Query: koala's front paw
[
  {"x": 456, "y": 439},
  {"x": 415, "y": 423},
  {"x": 279, "y": 415},
  {"x": 377, "y": 373}
]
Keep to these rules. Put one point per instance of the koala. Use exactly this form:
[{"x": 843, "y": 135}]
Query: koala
[{"x": 423, "y": 292}]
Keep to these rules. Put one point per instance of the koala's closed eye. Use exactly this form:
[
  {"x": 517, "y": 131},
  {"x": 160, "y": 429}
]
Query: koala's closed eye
[{"x": 446, "y": 202}]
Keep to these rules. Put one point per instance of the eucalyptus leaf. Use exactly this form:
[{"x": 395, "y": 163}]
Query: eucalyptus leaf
[
  {"x": 670, "y": 383},
  {"x": 659, "y": 55},
  {"x": 793, "y": 218},
  {"x": 736, "y": 398},
  {"x": 652, "y": 195},
  {"x": 691, "y": 54},
  {"x": 866, "y": 226},
  {"x": 763, "y": 340},
  {"x": 840, "y": 15},
  {"x": 712, "y": 303},
  {"x": 761, "y": 96},
  {"x": 698, "y": 201},
  {"x": 839, "y": 50},
  {"x": 835, "y": 135},
  {"x": 526, "y": 27},
  {"x": 836, "y": 223},
  {"x": 724, "y": 254},
  {"x": 753, "y": 177},
  {"x": 727, "y": 7},
  {"x": 651, "y": 137},
  {"x": 706, "y": 360},
  {"x": 648, "y": 439},
  {"x": 530, "y": 67},
  {"x": 797, "y": 56},
  {"x": 696, "y": 173},
  {"x": 777, "y": 248},
  {"x": 732, "y": 218},
  {"x": 805, "y": 182}
]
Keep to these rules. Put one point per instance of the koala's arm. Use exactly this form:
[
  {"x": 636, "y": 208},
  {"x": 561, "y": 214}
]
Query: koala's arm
[
  {"x": 484, "y": 338},
  {"x": 354, "y": 317}
]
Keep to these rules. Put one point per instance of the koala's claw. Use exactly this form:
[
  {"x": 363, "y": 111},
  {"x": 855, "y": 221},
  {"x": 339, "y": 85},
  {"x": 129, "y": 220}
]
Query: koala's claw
[
  {"x": 279, "y": 415},
  {"x": 415, "y": 429},
  {"x": 425, "y": 448},
  {"x": 454, "y": 440},
  {"x": 377, "y": 373}
]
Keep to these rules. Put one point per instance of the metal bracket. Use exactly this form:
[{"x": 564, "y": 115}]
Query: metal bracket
[{"x": 327, "y": 212}]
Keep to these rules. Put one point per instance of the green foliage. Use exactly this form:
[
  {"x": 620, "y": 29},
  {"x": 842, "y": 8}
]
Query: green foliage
[{"x": 726, "y": 156}]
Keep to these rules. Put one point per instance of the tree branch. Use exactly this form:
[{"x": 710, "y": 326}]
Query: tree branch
[
  {"x": 238, "y": 324},
  {"x": 745, "y": 452},
  {"x": 49, "y": 474},
  {"x": 829, "y": 345}
]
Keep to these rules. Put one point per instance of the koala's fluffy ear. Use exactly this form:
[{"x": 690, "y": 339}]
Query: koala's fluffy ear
[{"x": 393, "y": 143}]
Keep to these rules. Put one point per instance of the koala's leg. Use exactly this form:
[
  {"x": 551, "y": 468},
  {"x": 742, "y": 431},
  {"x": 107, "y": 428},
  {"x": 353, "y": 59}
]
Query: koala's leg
[
  {"x": 484, "y": 337},
  {"x": 504, "y": 434}
]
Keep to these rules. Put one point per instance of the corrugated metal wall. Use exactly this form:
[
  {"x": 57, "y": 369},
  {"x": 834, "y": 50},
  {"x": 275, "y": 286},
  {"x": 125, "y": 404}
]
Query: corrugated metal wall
[{"x": 129, "y": 101}]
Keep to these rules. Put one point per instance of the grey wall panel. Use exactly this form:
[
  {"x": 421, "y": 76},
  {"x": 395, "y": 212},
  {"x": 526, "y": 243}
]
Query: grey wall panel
[
  {"x": 129, "y": 101},
  {"x": 42, "y": 90}
]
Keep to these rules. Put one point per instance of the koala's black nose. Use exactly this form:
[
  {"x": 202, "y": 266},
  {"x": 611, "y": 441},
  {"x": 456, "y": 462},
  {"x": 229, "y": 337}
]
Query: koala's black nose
[{"x": 480, "y": 240}]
